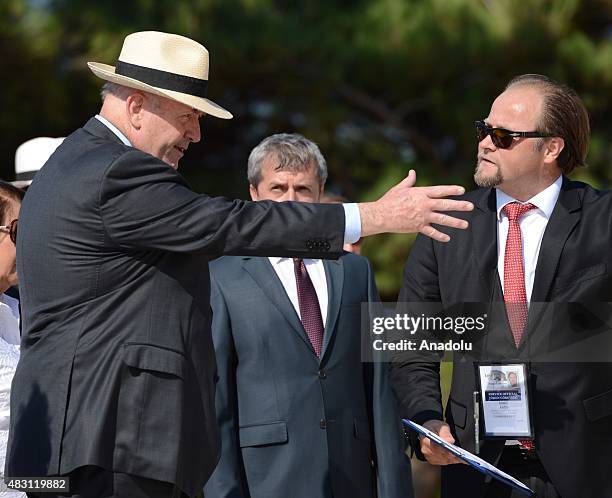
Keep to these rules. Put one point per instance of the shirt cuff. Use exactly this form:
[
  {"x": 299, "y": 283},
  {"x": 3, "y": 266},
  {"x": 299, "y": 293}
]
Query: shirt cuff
[{"x": 352, "y": 225}]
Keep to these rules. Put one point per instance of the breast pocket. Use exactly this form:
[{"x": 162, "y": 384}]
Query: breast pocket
[
  {"x": 598, "y": 407},
  {"x": 154, "y": 359},
  {"x": 568, "y": 281}
]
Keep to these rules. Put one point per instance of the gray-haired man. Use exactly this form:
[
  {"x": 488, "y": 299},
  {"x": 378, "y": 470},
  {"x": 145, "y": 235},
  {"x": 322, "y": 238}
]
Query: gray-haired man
[{"x": 300, "y": 414}]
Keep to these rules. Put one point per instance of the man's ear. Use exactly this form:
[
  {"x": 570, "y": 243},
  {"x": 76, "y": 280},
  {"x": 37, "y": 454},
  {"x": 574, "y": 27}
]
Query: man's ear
[
  {"x": 253, "y": 192},
  {"x": 134, "y": 106},
  {"x": 552, "y": 149}
]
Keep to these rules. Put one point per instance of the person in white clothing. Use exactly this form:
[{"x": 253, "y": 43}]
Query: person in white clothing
[{"x": 10, "y": 202}]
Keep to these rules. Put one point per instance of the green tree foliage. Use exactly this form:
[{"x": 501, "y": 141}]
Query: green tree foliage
[{"x": 381, "y": 85}]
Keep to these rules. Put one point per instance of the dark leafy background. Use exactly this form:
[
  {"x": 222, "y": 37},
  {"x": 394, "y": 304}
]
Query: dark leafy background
[{"x": 382, "y": 86}]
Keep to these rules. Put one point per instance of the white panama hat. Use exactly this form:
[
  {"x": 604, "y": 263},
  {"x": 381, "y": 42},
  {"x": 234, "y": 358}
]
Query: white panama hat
[
  {"x": 30, "y": 156},
  {"x": 168, "y": 65}
]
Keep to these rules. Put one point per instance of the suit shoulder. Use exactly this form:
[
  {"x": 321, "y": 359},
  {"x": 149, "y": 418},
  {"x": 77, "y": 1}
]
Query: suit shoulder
[
  {"x": 84, "y": 140},
  {"x": 126, "y": 169},
  {"x": 355, "y": 260},
  {"x": 590, "y": 193},
  {"x": 225, "y": 267},
  {"x": 474, "y": 195},
  {"x": 99, "y": 154},
  {"x": 224, "y": 262}
]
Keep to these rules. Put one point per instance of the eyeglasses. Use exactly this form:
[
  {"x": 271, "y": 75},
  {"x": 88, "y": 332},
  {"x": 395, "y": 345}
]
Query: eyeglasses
[
  {"x": 503, "y": 138},
  {"x": 11, "y": 229}
]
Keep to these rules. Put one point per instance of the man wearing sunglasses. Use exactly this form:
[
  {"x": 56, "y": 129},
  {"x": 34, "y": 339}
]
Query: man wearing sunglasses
[{"x": 539, "y": 245}]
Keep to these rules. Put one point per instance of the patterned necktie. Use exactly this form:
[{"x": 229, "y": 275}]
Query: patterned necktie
[
  {"x": 515, "y": 295},
  {"x": 514, "y": 271},
  {"x": 310, "y": 312}
]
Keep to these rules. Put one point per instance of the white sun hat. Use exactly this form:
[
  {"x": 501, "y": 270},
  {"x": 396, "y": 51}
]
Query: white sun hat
[
  {"x": 30, "y": 156},
  {"x": 165, "y": 64}
]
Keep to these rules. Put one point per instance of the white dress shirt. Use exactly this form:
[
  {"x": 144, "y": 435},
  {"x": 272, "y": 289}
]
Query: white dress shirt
[
  {"x": 533, "y": 223},
  {"x": 284, "y": 269},
  {"x": 352, "y": 218}
]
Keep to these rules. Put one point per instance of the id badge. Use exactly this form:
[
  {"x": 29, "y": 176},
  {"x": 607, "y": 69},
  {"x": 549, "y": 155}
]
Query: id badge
[{"x": 504, "y": 397}]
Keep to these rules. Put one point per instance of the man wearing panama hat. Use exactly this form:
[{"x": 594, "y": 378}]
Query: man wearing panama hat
[{"x": 115, "y": 387}]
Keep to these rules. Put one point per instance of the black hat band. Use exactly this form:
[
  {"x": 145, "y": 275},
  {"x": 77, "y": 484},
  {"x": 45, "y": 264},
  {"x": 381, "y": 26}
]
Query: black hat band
[{"x": 163, "y": 79}]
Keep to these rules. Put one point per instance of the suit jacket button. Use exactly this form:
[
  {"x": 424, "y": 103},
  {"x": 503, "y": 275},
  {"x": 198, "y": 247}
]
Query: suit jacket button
[
  {"x": 323, "y": 423},
  {"x": 322, "y": 374}
]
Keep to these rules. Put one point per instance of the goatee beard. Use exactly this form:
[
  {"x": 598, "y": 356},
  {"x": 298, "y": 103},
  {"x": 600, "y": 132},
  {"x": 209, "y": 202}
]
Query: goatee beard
[{"x": 488, "y": 181}]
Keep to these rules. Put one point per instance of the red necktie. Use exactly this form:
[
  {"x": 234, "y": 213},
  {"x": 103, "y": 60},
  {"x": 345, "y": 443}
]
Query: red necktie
[
  {"x": 310, "y": 312},
  {"x": 515, "y": 295},
  {"x": 514, "y": 271}
]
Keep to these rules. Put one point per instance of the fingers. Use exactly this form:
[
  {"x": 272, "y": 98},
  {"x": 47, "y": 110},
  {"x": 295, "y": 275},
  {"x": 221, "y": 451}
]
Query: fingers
[
  {"x": 436, "y": 455},
  {"x": 448, "y": 221},
  {"x": 430, "y": 231},
  {"x": 437, "y": 191},
  {"x": 445, "y": 433},
  {"x": 409, "y": 181},
  {"x": 451, "y": 205},
  {"x": 408, "y": 209}
]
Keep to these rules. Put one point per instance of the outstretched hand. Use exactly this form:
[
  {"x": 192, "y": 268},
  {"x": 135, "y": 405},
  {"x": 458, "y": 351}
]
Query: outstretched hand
[{"x": 408, "y": 209}]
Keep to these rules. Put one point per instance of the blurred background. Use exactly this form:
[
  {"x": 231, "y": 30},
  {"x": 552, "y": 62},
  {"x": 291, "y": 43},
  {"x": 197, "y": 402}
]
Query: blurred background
[{"x": 381, "y": 85}]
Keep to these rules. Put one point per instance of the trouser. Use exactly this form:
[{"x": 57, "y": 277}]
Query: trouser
[{"x": 527, "y": 468}]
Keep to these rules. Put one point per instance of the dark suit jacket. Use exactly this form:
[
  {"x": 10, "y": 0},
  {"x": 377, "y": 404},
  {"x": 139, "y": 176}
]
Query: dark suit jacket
[
  {"x": 117, "y": 365},
  {"x": 572, "y": 402},
  {"x": 294, "y": 425}
]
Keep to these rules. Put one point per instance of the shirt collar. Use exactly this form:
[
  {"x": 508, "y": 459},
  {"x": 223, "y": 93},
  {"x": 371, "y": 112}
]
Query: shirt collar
[
  {"x": 545, "y": 201},
  {"x": 114, "y": 129},
  {"x": 275, "y": 260}
]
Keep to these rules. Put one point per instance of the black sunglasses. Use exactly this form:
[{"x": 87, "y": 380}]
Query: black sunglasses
[
  {"x": 503, "y": 138},
  {"x": 11, "y": 229}
]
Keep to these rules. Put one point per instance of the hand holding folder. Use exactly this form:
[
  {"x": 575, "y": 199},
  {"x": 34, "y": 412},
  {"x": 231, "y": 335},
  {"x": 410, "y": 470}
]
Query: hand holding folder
[
  {"x": 471, "y": 459},
  {"x": 433, "y": 452}
]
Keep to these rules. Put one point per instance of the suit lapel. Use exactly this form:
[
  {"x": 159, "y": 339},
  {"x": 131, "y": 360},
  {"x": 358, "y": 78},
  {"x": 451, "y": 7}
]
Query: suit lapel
[
  {"x": 260, "y": 269},
  {"x": 483, "y": 229},
  {"x": 484, "y": 233},
  {"x": 334, "y": 274},
  {"x": 563, "y": 219}
]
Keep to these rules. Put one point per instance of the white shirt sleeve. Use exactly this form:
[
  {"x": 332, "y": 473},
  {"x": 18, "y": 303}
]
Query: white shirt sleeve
[{"x": 352, "y": 225}]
